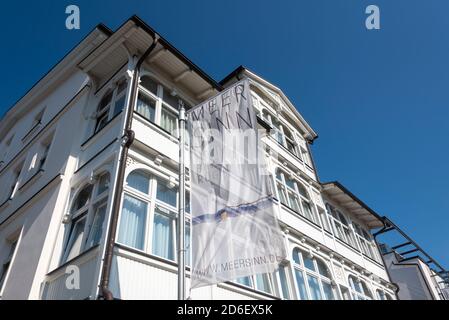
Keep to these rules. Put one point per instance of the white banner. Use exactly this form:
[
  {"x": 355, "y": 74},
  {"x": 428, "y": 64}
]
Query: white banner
[{"x": 235, "y": 232}]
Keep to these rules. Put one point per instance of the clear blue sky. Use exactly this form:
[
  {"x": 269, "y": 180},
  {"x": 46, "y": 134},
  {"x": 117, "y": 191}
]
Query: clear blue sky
[{"x": 378, "y": 99}]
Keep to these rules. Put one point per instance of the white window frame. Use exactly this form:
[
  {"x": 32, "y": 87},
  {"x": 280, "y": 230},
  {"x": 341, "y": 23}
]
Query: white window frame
[
  {"x": 342, "y": 231},
  {"x": 13, "y": 243},
  {"x": 313, "y": 273},
  {"x": 154, "y": 204},
  {"x": 356, "y": 295},
  {"x": 87, "y": 213},
  {"x": 110, "y": 112},
  {"x": 287, "y": 190},
  {"x": 160, "y": 104}
]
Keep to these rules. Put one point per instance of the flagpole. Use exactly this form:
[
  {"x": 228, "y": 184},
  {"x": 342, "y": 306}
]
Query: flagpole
[{"x": 182, "y": 200}]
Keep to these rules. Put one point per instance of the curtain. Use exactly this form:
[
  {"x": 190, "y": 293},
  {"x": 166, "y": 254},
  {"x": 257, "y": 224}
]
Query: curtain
[
  {"x": 146, "y": 107},
  {"x": 132, "y": 223},
  {"x": 168, "y": 121},
  {"x": 163, "y": 236},
  {"x": 139, "y": 180}
]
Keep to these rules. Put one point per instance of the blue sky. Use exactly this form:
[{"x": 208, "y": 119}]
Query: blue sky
[{"x": 378, "y": 99}]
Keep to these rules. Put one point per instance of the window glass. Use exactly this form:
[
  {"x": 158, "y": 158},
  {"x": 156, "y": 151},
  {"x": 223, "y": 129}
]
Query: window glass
[
  {"x": 308, "y": 262},
  {"x": 296, "y": 254},
  {"x": 74, "y": 244},
  {"x": 301, "y": 285},
  {"x": 163, "y": 236},
  {"x": 284, "y": 282},
  {"x": 170, "y": 99},
  {"x": 139, "y": 180},
  {"x": 322, "y": 268},
  {"x": 146, "y": 107},
  {"x": 132, "y": 223},
  {"x": 328, "y": 292},
  {"x": 103, "y": 184},
  {"x": 96, "y": 229},
  {"x": 166, "y": 194},
  {"x": 168, "y": 121},
  {"x": 314, "y": 288},
  {"x": 149, "y": 84},
  {"x": 105, "y": 101},
  {"x": 83, "y": 198},
  {"x": 246, "y": 281},
  {"x": 263, "y": 283}
]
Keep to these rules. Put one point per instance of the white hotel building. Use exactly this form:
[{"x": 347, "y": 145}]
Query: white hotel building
[{"x": 79, "y": 169}]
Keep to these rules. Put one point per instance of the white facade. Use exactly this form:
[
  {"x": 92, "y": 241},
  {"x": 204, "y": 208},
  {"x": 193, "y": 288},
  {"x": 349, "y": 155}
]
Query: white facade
[{"x": 59, "y": 162}]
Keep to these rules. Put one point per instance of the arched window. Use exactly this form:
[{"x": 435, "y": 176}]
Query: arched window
[
  {"x": 294, "y": 195},
  {"x": 280, "y": 133},
  {"x": 359, "y": 289},
  {"x": 111, "y": 104},
  {"x": 382, "y": 295},
  {"x": 341, "y": 226},
  {"x": 313, "y": 279},
  {"x": 158, "y": 104},
  {"x": 366, "y": 243},
  {"x": 87, "y": 215},
  {"x": 151, "y": 203}
]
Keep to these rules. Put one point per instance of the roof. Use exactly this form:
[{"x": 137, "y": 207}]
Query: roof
[
  {"x": 241, "y": 70},
  {"x": 347, "y": 200}
]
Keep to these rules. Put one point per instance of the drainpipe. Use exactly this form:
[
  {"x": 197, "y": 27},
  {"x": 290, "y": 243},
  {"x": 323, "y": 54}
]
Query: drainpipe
[
  {"x": 375, "y": 235},
  {"x": 127, "y": 140}
]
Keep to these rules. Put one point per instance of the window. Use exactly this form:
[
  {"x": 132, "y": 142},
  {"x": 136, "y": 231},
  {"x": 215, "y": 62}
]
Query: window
[
  {"x": 294, "y": 195},
  {"x": 15, "y": 183},
  {"x": 341, "y": 226},
  {"x": 7, "y": 262},
  {"x": 325, "y": 221},
  {"x": 87, "y": 215},
  {"x": 313, "y": 279},
  {"x": 5, "y": 150},
  {"x": 284, "y": 282},
  {"x": 381, "y": 295},
  {"x": 367, "y": 245},
  {"x": 280, "y": 133},
  {"x": 38, "y": 119},
  {"x": 158, "y": 104},
  {"x": 306, "y": 157},
  {"x": 45, "y": 147},
  {"x": 151, "y": 202},
  {"x": 359, "y": 289},
  {"x": 261, "y": 282},
  {"x": 111, "y": 104}
]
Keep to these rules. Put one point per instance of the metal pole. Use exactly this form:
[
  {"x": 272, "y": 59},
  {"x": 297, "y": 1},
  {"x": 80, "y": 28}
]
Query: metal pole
[{"x": 182, "y": 200}]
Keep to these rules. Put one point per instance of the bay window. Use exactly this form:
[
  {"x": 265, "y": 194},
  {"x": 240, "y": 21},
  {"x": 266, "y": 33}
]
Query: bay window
[
  {"x": 341, "y": 226},
  {"x": 313, "y": 279},
  {"x": 367, "y": 245},
  {"x": 158, "y": 104},
  {"x": 148, "y": 219},
  {"x": 294, "y": 195},
  {"x": 359, "y": 289},
  {"x": 87, "y": 215},
  {"x": 280, "y": 133}
]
